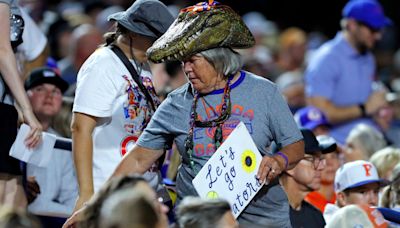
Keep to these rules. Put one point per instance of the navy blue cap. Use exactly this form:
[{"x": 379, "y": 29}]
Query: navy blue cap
[
  {"x": 369, "y": 12},
  {"x": 313, "y": 145},
  {"x": 45, "y": 75}
]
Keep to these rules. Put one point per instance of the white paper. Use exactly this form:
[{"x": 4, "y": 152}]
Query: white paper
[
  {"x": 231, "y": 172},
  {"x": 40, "y": 155}
]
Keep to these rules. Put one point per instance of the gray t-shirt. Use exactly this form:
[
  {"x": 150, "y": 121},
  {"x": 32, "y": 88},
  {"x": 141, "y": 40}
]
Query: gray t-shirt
[{"x": 258, "y": 104}]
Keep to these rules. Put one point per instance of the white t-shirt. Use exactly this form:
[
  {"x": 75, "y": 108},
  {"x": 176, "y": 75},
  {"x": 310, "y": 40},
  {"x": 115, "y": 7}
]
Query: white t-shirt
[{"x": 106, "y": 90}]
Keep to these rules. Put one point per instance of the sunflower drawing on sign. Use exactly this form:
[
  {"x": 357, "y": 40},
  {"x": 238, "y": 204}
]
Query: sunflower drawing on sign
[{"x": 248, "y": 161}]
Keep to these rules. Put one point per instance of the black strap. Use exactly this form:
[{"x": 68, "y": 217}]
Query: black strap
[
  {"x": 133, "y": 73},
  {"x": 6, "y": 89}
]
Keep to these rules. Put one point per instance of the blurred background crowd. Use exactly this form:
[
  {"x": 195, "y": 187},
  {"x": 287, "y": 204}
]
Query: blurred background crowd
[{"x": 288, "y": 35}]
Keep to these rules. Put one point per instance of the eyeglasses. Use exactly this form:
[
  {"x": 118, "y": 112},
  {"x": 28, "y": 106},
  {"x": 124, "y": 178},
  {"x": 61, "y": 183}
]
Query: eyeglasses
[{"x": 315, "y": 160}]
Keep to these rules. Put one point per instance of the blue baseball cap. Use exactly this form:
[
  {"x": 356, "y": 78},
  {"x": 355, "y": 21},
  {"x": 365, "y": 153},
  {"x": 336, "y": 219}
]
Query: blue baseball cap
[
  {"x": 370, "y": 12},
  {"x": 310, "y": 118}
]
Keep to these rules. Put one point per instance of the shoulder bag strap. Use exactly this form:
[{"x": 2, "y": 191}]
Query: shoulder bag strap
[
  {"x": 133, "y": 73},
  {"x": 5, "y": 91}
]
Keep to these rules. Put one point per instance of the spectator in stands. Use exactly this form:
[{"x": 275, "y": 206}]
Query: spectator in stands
[
  {"x": 339, "y": 76},
  {"x": 45, "y": 89},
  {"x": 297, "y": 182},
  {"x": 362, "y": 142},
  {"x": 325, "y": 191},
  {"x": 391, "y": 194},
  {"x": 292, "y": 50},
  {"x": 291, "y": 84},
  {"x": 385, "y": 160},
  {"x": 313, "y": 119},
  {"x": 89, "y": 215},
  {"x": 62, "y": 122},
  {"x": 85, "y": 39},
  {"x": 51, "y": 190},
  {"x": 194, "y": 212},
  {"x": 127, "y": 208},
  {"x": 356, "y": 182}
]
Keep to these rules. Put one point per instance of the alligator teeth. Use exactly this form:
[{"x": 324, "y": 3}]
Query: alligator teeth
[
  {"x": 169, "y": 58},
  {"x": 176, "y": 56},
  {"x": 181, "y": 53},
  {"x": 185, "y": 45}
]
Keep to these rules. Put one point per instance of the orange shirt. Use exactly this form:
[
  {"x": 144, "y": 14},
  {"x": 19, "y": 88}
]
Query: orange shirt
[{"x": 318, "y": 200}]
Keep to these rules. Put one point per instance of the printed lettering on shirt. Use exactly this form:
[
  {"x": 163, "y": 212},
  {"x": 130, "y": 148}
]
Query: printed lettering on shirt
[{"x": 204, "y": 137}]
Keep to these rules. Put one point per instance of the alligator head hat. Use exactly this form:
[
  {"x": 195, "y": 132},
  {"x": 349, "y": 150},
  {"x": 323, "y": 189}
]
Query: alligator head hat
[{"x": 201, "y": 27}]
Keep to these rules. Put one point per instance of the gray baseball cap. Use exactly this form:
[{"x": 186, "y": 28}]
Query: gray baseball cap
[{"x": 145, "y": 17}]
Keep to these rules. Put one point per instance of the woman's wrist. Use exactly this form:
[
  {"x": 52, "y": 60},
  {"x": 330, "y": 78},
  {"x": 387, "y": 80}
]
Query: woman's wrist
[{"x": 282, "y": 160}]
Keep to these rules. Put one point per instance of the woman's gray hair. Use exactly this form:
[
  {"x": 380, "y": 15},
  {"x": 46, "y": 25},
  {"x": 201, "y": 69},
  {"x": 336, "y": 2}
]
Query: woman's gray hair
[
  {"x": 367, "y": 138},
  {"x": 225, "y": 60},
  {"x": 194, "y": 212}
]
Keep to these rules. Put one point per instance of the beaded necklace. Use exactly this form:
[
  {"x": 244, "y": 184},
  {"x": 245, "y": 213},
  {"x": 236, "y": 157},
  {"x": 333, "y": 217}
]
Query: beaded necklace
[{"x": 195, "y": 122}]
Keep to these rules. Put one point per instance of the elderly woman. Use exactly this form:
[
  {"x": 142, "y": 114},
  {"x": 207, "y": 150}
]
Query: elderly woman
[{"x": 201, "y": 114}]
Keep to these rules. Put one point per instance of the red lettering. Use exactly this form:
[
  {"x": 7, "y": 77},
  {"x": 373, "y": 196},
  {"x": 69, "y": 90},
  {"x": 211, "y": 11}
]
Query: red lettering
[
  {"x": 249, "y": 114},
  {"x": 237, "y": 109},
  {"x": 367, "y": 168},
  {"x": 129, "y": 139},
  {"x": 210, "y": 149},
  {"x": 199, "y": 150}
]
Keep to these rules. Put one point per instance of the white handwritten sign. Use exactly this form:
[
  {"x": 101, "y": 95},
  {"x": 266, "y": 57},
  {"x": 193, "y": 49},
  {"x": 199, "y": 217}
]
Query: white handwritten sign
[{"x": 231, "y": 172}]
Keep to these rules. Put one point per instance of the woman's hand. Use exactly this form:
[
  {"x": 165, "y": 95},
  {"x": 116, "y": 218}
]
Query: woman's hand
[
  {"x": 75, "y": 218},
  {"x": 35, "y": 134},
  {"x": 269, "y": 169},
  {"x": 82, "y": 199}
]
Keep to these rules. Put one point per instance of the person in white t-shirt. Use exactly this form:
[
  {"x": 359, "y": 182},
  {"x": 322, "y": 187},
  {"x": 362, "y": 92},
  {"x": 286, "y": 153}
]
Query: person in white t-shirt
[{"x": 110, "y": 110}]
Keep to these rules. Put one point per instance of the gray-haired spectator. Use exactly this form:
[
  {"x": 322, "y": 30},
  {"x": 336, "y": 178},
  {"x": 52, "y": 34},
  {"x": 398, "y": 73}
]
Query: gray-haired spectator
[
  {"x": 291, "y": 84},
  {"x": 362, "y": 142}
]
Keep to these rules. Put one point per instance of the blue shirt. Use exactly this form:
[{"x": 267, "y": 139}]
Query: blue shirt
[{"x": 340, "y": 74}]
